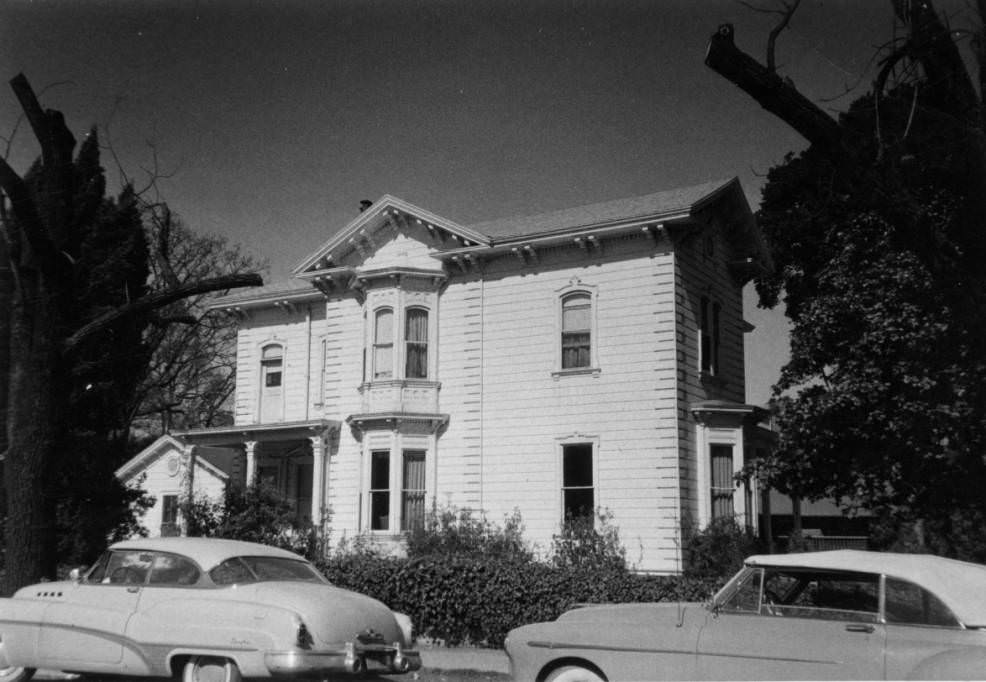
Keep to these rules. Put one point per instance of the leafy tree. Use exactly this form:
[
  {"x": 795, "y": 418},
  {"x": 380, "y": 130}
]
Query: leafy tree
[
  {"x": 72, "y": 283},
  {"x": 876, "y": 233},
  {"x": 253, "y": 513},
  {"x": 192, "y": 367}
]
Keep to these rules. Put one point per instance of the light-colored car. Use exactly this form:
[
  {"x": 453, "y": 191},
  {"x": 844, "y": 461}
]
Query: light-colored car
[
  {"x": 823, "y": 615},
  {"x": 204, "y": 609}
]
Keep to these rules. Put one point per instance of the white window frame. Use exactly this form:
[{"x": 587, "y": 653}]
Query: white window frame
[
  {"x": 707, "y": 436},
  {"x": 396, "y": 444},
  {"x": 576, "y": 439},
  {"x": 261, "y": 376},
  {"x": 377, "y": 312},
  {"x": 399, "y": 342},
  {"x": 574, "y": 288}
]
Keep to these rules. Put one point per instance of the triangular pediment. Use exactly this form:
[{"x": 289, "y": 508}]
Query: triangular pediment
[{"x": 390, "y": 233}]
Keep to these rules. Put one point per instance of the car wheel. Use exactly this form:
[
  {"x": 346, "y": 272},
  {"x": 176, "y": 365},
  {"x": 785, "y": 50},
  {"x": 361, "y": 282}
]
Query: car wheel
[
  {"x": 210, "y": 669},
  {"x": 574, "y": 673},
  {"x": 9, "y": 673}
]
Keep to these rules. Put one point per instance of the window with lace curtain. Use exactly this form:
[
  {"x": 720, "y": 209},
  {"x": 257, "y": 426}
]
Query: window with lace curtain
[
  {"x": 721, "y": 480},
  {"x": 416, "y": 343}
]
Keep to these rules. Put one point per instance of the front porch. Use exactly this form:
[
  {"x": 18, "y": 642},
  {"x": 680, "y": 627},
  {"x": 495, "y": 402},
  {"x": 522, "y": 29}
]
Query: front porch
[{"x": 289, "y": 457}]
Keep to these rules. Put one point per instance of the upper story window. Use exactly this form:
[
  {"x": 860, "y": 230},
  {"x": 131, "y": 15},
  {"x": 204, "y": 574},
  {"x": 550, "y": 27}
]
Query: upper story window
[
  {"x": 576, "y": 331},
  {"x": 709, "y": 314},
  {"x": 416, "y": 343},
  {"x": 400, "y": 344},
  {"x": 272, "y": 363},
  {"x": 383, "y": 344}
]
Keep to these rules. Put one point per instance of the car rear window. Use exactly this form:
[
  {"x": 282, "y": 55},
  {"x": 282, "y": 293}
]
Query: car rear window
[{"x": 248, "y": 569}]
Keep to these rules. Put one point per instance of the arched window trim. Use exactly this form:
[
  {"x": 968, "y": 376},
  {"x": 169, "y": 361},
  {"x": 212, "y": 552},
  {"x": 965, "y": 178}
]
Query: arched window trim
[
  {"x": 576, "y": 288},
  {"x": 417, "y": 351},
  {"x": 378, "y": 349},
  {"x": 261, "y": 350}
]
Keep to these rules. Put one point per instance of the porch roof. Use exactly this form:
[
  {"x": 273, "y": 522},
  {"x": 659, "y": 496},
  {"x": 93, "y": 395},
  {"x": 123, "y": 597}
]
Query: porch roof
[{"x": 267, "y": 432}]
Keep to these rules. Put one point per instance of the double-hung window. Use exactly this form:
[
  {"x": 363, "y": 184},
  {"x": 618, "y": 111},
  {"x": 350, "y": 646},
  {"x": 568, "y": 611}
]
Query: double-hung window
[
  {"x": 578, "y": 493},
  {"x": 576, "y": 331},
  {"x": 404, "y": 510},
  {"x": 413, "y": 491},
  {"x": 393, "y": 352},
  {"x": 709, "y": 314},
  {"x": 721, "y": 480},
  {"x": 383, "y": 344},
  {"x": 416, "y": 343},
  {"x": 380, "y": 490}
]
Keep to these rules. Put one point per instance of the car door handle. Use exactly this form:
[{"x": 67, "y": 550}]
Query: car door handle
[
  {"x": 133, "y": 589},
  {"x": 860, "y": 627}
]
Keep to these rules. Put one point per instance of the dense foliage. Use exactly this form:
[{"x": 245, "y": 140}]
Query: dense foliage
[
  {"x": 255, "y": 514},
  {"x": 468, "y": 599},
  {"x": 718, "y": 550},
  {"x": 883, "y": 402}
]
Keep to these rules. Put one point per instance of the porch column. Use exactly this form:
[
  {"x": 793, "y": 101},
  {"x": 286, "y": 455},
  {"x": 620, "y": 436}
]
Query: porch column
[
  {"x": 188, "y": 457},
  {"x": 318, "y": 479},
  {"x": 250, "y": 447}
]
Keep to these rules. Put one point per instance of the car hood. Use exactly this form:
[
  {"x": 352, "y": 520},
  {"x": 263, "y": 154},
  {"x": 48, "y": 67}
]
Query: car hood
[{"x": 330, "y": 613}]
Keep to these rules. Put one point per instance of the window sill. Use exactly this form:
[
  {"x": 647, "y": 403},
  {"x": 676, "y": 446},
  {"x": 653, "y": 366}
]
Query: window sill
[
  {"x": 577, "y": 371},
  {"x": 713, "y": 380}
]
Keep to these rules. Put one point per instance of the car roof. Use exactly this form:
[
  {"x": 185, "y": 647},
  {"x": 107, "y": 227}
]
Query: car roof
[
  {"x": 206, "y": 552},
  {"x": 959, "y": 584}
]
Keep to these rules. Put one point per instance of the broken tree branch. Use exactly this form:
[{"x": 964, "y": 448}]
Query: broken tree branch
[{"x": 773, "y": 93}]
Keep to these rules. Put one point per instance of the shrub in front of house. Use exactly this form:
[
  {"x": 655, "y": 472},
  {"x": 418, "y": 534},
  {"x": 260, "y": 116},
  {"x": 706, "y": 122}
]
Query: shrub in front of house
[
  {"x": 477, "y": 600},
  {"x": 468, "y": 581}
]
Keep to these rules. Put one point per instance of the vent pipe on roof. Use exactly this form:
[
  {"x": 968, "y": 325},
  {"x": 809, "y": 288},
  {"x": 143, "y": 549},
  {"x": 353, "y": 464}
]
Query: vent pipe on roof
[{"x": 364, "y": 204}]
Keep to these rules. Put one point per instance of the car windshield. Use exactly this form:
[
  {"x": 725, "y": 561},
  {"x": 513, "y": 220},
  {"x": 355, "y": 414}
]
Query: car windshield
[{"x": 252, "y": 569}]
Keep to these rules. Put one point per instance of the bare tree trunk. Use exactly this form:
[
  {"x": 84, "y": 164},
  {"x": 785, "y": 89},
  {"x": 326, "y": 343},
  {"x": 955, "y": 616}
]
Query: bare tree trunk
[
  {"x": 32, "y": 434},
  {"x": 6, "y": 294}
]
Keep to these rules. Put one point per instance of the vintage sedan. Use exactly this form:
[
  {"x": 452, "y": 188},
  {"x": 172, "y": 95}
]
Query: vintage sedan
[
  {"x": 823, "y": 615},
  {"x": 203, "y": 609}
]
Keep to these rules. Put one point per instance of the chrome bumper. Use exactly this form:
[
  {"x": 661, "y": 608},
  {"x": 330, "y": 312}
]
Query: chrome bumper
[{"x": 350, "y": 658}]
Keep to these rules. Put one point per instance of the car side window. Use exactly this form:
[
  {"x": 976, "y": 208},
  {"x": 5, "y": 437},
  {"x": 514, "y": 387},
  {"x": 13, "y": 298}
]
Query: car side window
[
  {"x": 231, "y": 572},
  {"x": 823, "y": 595},
  {"x": 746, "y": 597},
  {"x": 173, "y": 570},
  {"x": 910, "y": 604},
  {"x": 125, "y": 567}
]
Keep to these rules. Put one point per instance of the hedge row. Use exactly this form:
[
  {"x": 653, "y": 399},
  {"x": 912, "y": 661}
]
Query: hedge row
[{"x": 478, "y": 600}]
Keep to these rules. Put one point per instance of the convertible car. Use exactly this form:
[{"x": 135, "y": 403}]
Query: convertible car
[
  {"x": 823, "y": 615},
  {"x": 204, "y": 609}
]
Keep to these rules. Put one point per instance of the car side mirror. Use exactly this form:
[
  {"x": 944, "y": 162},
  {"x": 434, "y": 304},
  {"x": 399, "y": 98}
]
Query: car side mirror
[{"x": 75, "y": 575}]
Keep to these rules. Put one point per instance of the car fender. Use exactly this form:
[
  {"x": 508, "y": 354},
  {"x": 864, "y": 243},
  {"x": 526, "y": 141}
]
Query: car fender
[
  {"x": 956, "y": 664},
  {"x": 20, "y": 622}
]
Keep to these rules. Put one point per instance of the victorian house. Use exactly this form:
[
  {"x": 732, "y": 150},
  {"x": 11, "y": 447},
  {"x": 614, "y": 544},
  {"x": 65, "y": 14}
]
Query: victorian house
[{"x": 556, "y": 364}]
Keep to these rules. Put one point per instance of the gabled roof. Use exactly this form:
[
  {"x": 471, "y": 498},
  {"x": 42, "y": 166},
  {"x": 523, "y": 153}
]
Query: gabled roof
[
  {"x": 380, "y": 211},
  {"x": 162, "y": 446},
  {"x": 646, "y": 207}
]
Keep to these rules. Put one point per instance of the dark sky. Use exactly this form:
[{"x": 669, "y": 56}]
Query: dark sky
[{"x": 269, "y": 121}]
